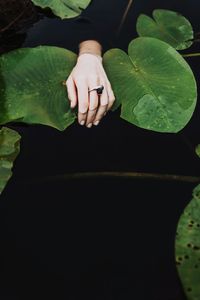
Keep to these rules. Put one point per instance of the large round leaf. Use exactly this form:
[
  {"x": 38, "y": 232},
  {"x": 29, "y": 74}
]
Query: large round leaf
[
  {"x": 64, "y": 8},
  {"x": 168, "y": 26},
  {"x": 31, "y": 86},
  {"x": 188, "y": 247},
  {"x": 154, "y": 84},
  {"x": 9, "y": 149}
]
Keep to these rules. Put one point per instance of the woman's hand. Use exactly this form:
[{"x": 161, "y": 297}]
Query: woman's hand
[{"x": 87, "y": 74}]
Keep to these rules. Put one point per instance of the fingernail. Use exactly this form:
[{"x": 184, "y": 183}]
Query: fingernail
[
  {"x": 96, "y": 123},
  {"x": 89, "y": 125},
  {"x": 82, "y": 122}
]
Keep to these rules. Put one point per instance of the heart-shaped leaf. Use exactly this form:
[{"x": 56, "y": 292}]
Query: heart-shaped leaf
[
  {"x": 31, "y": 86},
  {"x": 188, "y": 247},
  {"x": 167, "y": 25},
  {"x": 64, "y": 8},
  {"x": 9, "y": 149},
  {"x": 154, "y": 84}
]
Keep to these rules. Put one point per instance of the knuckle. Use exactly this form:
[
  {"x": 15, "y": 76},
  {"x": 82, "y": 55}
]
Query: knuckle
[
  {"x": 93, "y": 108},
  {"x": 79, "y": 79},
  {"x": 93, "y": 97},
  {"x": 68, "y": 83},
  {"x": 83, "y": 105},
  {"x": 83, "y": 101}
]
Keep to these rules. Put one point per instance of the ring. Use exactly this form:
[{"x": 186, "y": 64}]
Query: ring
[{"x": 98, "y": 88}]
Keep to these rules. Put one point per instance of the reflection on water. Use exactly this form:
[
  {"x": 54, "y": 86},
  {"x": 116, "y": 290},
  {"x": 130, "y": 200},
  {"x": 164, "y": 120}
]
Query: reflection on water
[{"x": 100, "y": 239}]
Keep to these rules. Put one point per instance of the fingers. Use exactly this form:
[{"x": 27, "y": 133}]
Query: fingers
[
  {"x": 93, "y": 102},
  {"x": 111, "y": 96},
  {"x": 91, "y": 115},
  {"x": 83, "y": 101},
  {"x": 102, "y": 107},
  {"x": 71, "y": 89},
  {"x": 106, "y": 102},
  {"x": 91, "y": 106}
]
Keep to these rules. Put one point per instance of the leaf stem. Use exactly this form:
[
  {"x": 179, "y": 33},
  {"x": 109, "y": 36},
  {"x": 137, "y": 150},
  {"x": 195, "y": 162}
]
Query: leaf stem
[
  {"x": 191, "y": 54},
  {"x": 14, "y": 21},
  {"x": 130, "y": 2},
  {"x": 122, "y": 175}
]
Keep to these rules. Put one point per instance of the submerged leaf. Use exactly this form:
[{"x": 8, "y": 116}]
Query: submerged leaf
[
  {"x": 167, "y": 25},
  {"x": 64, "y": 8},
  {"x": 154, "y": 84},
  {"x": 188, "y": 247},
  {"x": 31, "y": 86},
  {"x": 9, "y": 149}
]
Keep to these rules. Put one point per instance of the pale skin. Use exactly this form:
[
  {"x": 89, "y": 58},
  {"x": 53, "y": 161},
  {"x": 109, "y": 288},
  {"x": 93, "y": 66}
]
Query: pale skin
[{"x": 87, "y": 74}]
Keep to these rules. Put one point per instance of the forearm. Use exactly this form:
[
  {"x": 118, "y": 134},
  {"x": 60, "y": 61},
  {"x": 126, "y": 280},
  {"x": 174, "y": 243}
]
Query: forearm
[{"x": 90, "y": 46}]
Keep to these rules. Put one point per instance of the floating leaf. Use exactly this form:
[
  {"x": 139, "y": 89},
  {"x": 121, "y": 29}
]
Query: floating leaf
[
  {"x": 188, "y": 247},
  {"x": 197, "y": 150},
  {"x": 9, "y": 149},
  {"x": 154, "y": 84},
  {"x": 64, "y": 8},
  {"x": 31, "y": 86},
  {"x": 167, "y": 25}
]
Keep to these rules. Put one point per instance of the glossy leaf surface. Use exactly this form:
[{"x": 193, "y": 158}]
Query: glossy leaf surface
[
  {"x": 31, "y": 86},
  {"x": 153, "y": 83}
]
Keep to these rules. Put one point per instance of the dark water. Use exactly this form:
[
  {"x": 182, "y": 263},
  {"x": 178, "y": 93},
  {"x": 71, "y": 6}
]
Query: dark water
[{"x": 96, "y": 239}]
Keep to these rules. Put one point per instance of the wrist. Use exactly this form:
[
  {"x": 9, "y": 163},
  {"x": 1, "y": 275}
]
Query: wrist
[
  {"x": 90, "y": 53},
  {"x": 90, "y": 46}
]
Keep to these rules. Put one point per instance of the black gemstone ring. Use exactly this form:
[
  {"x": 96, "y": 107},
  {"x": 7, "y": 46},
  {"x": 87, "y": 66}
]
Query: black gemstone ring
[{"x": 98, "y": 88}]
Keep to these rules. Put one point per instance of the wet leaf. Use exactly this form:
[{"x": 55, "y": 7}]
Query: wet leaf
[
  {"x": 167, "y": 25},
  {"x": 153, "y": 83},
  {"x": 188, "y": 247},
  {"x": 31, "y": 86},
  {"x": 64, "y": 8},
  {"x": 9, "y": 149}
]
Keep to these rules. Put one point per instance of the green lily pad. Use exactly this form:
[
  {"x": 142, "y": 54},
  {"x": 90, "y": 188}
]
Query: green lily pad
[
  {"x": 64, "y": 8},
  {"x": 153, "y": 83},
  {"x": 9, "y": 149},
  {"x": 188, "y": 247},
  {"x": 197, "y": 150},
  {"x": 167, "y": 25},
  {"x": 31, "y": 86}
]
